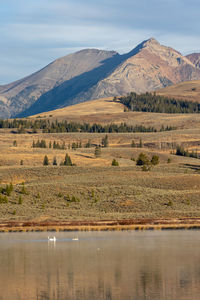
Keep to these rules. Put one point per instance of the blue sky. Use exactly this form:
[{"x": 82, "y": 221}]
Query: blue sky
[{"x": 35, "y": 32}]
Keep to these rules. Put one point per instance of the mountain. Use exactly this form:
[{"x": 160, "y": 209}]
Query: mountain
[
  {"x": 93, "y": 74},
  {"x": 189, "y": 90},
  {"x": 20, "y": 95},
  {"x": 153, "y": 67},
  {"x": 195, "y": 59}
]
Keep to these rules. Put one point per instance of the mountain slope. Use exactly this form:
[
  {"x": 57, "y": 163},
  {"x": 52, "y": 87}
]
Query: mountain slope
[
  {"x": 195, "y": 59},
  {"x": 152, "y": 68},
  {"x": 21, "y": 94},
  {"x": 93, "y": 74}
]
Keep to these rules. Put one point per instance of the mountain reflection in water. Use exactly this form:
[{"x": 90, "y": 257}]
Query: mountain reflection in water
[{"x": 113, "y": 265}]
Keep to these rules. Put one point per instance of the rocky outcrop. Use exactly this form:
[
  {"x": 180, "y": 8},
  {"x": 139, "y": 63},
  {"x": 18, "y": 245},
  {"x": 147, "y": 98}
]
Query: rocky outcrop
[{"x": 195, "y": 59}]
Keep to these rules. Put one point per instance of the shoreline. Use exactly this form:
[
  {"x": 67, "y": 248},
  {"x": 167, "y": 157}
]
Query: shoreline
[{"x": 118, "y": 225}]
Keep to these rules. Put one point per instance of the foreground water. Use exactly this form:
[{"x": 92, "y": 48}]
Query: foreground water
[{"x": 112, "y": 265}]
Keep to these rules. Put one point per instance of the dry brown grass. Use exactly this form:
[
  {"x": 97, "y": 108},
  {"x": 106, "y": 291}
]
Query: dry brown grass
[
  {"x": 169, "y": 190},
  {"x": 189, "y": 90},
  {"x": 105, "y": 192},
  {"x": 106, "y": 111}
]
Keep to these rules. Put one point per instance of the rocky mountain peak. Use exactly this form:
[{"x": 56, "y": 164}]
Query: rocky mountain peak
[{"x": 151, "y": 42}]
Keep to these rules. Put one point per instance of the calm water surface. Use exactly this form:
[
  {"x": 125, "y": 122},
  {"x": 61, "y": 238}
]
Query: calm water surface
[{"x": 112, "y": 265}]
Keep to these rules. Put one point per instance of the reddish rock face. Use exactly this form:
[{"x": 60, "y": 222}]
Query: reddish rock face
[{"x": 195, "y": 59}]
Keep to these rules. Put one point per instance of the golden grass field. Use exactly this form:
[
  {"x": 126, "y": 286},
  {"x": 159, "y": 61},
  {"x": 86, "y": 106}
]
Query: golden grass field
[
  {"x": 95, "y": 190},
  {"x": 105, "y": 111},
  {"x": 189, "y": 90}
]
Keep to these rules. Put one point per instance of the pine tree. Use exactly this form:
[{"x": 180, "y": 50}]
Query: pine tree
[
  {"x": 67, "y": 161},
  {"x": 97, "y": 151},
  {"x": 133, "y": 144},
  {"x": 55, "y": 161},
  {"x": 88, "y": 144},
  {"x": 63, "y": 146},
  {"x": 104, "y": 141},
  {"x": 46, "y": 161},
  {"x": 140, "y": 144}
]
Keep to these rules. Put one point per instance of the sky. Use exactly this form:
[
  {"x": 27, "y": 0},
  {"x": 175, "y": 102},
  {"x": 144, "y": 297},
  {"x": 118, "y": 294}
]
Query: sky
[{"x": 35, "y": 32}]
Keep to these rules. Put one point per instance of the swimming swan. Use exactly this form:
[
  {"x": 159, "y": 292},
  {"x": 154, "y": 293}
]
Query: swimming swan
[{"x": 52, "y": 239}]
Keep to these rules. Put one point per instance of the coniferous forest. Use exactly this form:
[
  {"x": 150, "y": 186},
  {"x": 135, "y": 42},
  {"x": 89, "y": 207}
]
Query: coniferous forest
[
  {"x": 158, "y": 104},
  {"x": 22, "y": 126}
]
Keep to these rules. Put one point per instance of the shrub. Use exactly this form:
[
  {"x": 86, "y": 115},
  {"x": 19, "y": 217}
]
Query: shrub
[
  {"x": 38, "y": 196},
  {"x": 170, "y": 203},
  {"x": 115, "y": 163},
  {"x": 21, "y": 162},
  {"x": 155, "y": 160},
  {"x": 23, "y": 190},
  {"x": 74, "y": 146},
  {"x": 188, "y": 202},
  {"x": 71, "y": 199},
  {"x": 3, "y": 199},
  {"x": 145, "y": 168},
  {"x": 20, "y": 200},
  {"x": 169, "y": 160},
  {"x": 8, "y": 189},
  {"x": 142, "y": 160}
]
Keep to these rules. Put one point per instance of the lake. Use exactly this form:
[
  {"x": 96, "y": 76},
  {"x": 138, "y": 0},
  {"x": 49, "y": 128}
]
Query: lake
[{"x": 100, "y": 265}]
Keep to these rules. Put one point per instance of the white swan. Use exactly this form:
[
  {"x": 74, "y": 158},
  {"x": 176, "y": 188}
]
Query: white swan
[
  {"x": 52, "y": 239},
  {"x": 75, "y": 239}
]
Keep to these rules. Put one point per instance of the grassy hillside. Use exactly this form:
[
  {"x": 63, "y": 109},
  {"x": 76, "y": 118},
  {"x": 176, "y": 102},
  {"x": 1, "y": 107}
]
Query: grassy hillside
[
  {"x": 189, "y": 90},
  {"x": 106, "y": 111}
]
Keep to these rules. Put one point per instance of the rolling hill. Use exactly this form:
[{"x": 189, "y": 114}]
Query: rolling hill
[
  {"x": 189, "y": 90},
  {"x": 105, "y": 111},
  {"x": 93, "y": 74}
]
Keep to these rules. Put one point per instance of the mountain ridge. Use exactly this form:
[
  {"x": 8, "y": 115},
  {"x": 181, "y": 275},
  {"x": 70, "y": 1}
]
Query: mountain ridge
[{"x": 92, "y": 74}]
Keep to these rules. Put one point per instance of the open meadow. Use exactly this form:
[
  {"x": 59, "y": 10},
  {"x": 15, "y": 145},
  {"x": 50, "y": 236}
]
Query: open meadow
[{"x": 93, "y": 189}]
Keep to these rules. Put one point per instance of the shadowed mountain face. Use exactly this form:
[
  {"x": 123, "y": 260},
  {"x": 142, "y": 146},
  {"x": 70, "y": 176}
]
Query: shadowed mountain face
[{"x": 93, "y": 74}]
